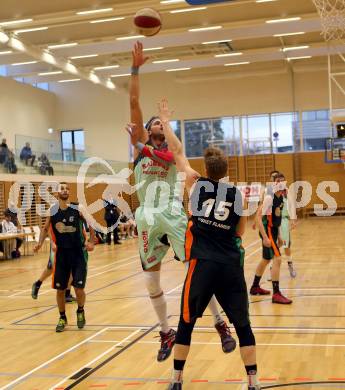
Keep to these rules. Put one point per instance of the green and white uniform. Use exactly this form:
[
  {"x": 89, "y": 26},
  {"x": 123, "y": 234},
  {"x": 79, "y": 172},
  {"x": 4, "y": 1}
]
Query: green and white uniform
[
  {"x": 285, "y": 225},
  {"x": 160, "y": 212}
]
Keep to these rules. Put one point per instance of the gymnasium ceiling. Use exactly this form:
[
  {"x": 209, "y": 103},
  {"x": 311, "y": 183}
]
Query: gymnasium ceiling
[{"x": 246, "y": 35}]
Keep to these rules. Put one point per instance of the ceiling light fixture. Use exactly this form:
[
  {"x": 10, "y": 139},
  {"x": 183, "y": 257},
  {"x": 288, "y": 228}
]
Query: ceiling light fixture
[
  {"x": 235, "y": 54},
  {"x": 5, "y": 52},
  {"x": 283, "y": 20},
  {"x": 172, "y": 1},
  {"x": 50, "y": 73},
  {"x": 298, "y": 58},
  {"x": 94, "y": 78},
  {"x": 17, "y": 44},
  {"x": 68, "y": 81},
  {"x": 120, "y": 75},
  {"x": 62, "y": 45},
  {"x": 153, "y": 48},
  {"x": 294, "y": 48},
  {"x": 106, "y": 67},
  {"x": 95, "y": 11},
  {"x": 177, "y": 69},
  {"x": 205, "y": 28},
  {"x": 19, "y": 21},
  {"x": 219, "y": 41},
  {"x": 24, "y": 63},
  {"x": 130, "y": 37},
  {"x": 237, "y": 63},
  {"x": 24, "y": 30},
  {"x": 85, "y": 56},
  {"x": 107, "y": 20},
  {"x": 165, "y": 61},
  {"x": 49, "y": 58},
  {"x": 180, "y": 11},
  {"x": 288, "y": 34},
  {"x": 4, "y": 38}
]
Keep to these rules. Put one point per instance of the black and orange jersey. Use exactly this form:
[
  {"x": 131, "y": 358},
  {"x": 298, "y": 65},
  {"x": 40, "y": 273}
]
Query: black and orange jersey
[
  {"x": 215, "y": 209},
  {"x": 275, "y": 218},
  {"x": 67, "y": 230}
]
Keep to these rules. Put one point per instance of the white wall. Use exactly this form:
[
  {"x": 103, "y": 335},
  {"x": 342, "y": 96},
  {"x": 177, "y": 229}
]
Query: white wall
[
  {"x": 25, "y": 110},
  {"x": 103, "y": 113},
  {"x": 100, "y": 112}
]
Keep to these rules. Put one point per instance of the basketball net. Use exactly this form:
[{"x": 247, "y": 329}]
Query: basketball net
[{"x": 332, "y": 14}]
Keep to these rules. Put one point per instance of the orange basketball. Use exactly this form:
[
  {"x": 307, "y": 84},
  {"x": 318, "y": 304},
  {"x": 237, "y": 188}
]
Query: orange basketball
[{"x": 148, "y": 22}]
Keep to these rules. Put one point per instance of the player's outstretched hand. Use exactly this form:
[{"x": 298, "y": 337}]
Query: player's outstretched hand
[
  {"x": 138, "y": 55},
  {"x": 132, "y": 130},
  {"x": 165, "y": 113}
]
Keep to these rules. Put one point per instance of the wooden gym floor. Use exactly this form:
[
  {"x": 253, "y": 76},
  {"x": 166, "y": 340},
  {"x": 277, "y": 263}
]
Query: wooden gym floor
[{"x": 298, "y": 344}]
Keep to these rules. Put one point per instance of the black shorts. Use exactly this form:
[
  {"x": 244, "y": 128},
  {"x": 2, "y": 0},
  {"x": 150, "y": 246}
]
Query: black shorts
[
  {"x": 70, "y": 261},
  {"x": 273, "y": 250},
  {"x": 226, "y": 281}
]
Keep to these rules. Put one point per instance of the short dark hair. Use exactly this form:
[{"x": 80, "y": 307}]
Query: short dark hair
[
  {"x": 216, "y": 163},
  {"x": 150, "y": 121},
  {"x": 274, "y": 173}
]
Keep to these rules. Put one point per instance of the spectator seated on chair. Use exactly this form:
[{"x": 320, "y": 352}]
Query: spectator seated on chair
[
  {"x": 13, "y": 213},
  {"x": 44, "y": 165},
  {"x": 8, "y": 227},
  {"x": 10, "y": 163},
  {"x": 26, "y": 154},
  {"x": 3, "y": 151}
]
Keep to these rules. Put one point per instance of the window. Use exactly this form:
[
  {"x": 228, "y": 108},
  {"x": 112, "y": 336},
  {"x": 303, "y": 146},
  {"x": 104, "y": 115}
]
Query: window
[
  {"x": 197, "y": 137},
  {"x": 73, "y": 145},
  {"x": 176, "y": 126},
  {"x": 44, "y": 86},
  {"x": 283, "y": 131},
  {"x": 257, "y": 134},
  {"x": 316, "y": 128}
]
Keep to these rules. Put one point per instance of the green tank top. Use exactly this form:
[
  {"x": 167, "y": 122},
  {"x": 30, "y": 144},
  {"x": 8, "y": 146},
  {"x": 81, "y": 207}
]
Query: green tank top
[
  {"x": 285, "y": 211},
  {"x": 159, "y": 185}
]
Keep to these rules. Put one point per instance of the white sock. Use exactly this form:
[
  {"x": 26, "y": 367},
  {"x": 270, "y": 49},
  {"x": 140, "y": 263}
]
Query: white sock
[
  {"x": 177, "y": 376},
  {"x": 213, "y": 306},
  {"x": 252, "y": 380},
  {"x": 160, "y": 306}
]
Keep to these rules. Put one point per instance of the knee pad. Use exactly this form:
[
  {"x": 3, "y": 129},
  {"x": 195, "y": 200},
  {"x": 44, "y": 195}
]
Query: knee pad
[
  {"x": 245, "y": 335},
  {"x": 152, "y": 281},
  {"x": 184, "y": 332}
]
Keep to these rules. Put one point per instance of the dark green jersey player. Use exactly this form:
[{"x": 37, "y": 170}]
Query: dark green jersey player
[
  {"x": 66, "y": 226},
  {"x": 269, "y": 218}
]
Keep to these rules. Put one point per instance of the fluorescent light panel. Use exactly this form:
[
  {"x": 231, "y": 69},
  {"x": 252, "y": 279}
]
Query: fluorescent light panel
[
  {"x": 50, "y": 73},
  {"x": 62, "y": 45},
  {"x": 5, "y": 52},
  {"x": 283, "y": 20},
  {"x": 24, "y": 63},
  {"x": 95, "y": 11},
  {"x": 298, "y": 58},
  {"x": 220, "y": 41},
  {"x": 153, "y": 48},
  {"x": 289, "y": 34},
  {"x": 172, "y": 1},
  {"x": 24, "y": 30},
  {"x": 19, "y": 21},
  {"x": 205, "y": 28},
  {"x": 165, "y": 61},
  {"x": 237, "y": 63},
  {"x": 294, "y": 48},
  {"x": 85, "y": 56},
  {"x": 177, "y": 69},
  {"x": 120, "y": 75},
  {"x": 264, "y": 1},
  {"x": 229, "y": 55},
  {"x": 182, "y": 10},
  {"x": 107, "y": 20},
  {"x": 106, "y": 67},
  {"x": 68, "y": 81},
  {"x": 4, "y": 38},
  {"x": 130, "y": 37}
]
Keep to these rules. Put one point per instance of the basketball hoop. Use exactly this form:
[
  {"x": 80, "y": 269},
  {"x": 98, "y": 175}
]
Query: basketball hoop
[{"x": 332, "y": 14}]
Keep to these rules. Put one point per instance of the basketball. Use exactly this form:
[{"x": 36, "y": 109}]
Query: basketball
[{"x": 148, "y": 22}]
